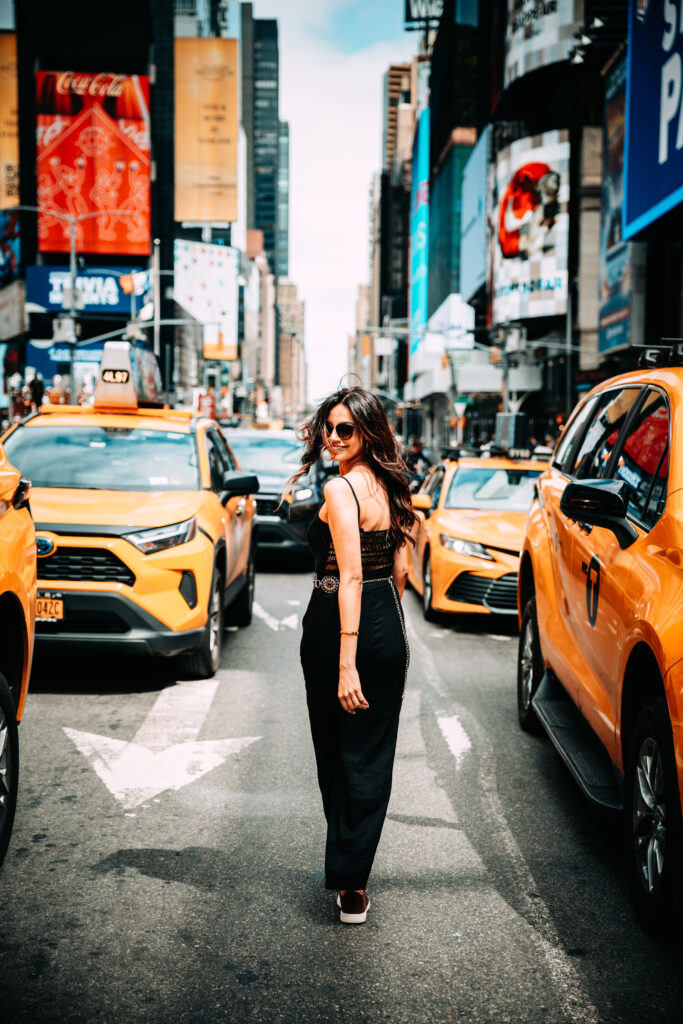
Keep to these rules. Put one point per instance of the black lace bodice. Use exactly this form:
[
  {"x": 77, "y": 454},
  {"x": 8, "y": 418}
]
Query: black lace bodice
[{"x": 376, "y": 551}]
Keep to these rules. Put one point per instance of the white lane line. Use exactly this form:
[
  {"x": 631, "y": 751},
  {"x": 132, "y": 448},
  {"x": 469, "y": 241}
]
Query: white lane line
[
  {"x": 294, "y": 604},
  {"x": 497, "y": 636},
  {"x": 576, "y": 1002},
  {"x": 457, "y": 739},
  {"x": 269, "y": 619}
]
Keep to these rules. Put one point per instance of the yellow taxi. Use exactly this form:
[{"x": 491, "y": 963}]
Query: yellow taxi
[
  {"x": 17, "y": 623},
  {"x": 472, "y": 512},
  {"x": 144, "y": 523},
  {"x": 600, "y": 663}
]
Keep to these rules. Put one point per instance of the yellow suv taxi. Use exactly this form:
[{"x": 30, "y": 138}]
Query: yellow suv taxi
[
  {"x": 472, "y": 512},
  {"x": 600, "y": 664},
  {"x": 17, "y": 619},
  {"x": 144, "y": 523}
]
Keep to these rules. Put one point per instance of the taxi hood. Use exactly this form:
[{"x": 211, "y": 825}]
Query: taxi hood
[
  {"x": 74, "y": 507},
  {"x": 492, "y": 529}
]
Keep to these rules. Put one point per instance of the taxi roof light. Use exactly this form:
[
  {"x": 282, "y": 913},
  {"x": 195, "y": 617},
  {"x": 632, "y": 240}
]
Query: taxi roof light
[
  {"x": 665, "y": 352},
  {"x": 129, "y": 377}
]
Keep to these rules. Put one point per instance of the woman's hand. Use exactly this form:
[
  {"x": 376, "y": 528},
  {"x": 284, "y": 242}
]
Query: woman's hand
[{"x": 349, "y": 692}]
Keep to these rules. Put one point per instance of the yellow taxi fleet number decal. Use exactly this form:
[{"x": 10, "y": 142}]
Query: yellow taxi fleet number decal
[
  {"x": 115, "y": 376},
  {"x": 49, "y": 608}
]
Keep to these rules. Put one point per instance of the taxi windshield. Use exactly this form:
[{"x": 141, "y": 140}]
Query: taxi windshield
[
  {"x": 105, "y": 458},
  {"x": 491, "y": 489}
]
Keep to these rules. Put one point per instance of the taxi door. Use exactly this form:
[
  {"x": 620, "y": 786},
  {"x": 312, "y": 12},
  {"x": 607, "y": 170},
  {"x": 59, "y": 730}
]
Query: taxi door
[
  {"x": 600, "y": 566},
  {"x": 225, "y": 513},
  {"x": 432, "y": 488},
  {"x": 239, "y": 508}
]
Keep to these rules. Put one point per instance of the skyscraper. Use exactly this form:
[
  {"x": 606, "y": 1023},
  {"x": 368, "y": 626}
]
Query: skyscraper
[
  {"x": 282, "y": 242},
  {"x": 266, "y": 132}
]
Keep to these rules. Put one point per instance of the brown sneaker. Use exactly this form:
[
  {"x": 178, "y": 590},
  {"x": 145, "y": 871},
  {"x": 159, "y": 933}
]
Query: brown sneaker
[{"x": 353, "y": 907}]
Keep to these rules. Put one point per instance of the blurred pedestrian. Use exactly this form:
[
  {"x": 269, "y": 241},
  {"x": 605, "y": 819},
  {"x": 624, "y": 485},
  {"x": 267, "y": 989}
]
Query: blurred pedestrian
[{"x": 354, "y": 650}]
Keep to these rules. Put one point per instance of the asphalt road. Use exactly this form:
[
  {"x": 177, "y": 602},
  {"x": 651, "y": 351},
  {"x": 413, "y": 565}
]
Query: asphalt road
[{"x": 179, "y": 878}]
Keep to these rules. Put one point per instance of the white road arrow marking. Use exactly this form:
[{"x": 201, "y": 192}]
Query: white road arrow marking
[
  {"x": 165, "y": 753},
  {"x": 290, "y": 622},
  {"x": 457, "y": 739}
]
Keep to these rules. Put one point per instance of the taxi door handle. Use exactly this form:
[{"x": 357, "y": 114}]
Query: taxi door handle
[{"x": 239, "y": 511}]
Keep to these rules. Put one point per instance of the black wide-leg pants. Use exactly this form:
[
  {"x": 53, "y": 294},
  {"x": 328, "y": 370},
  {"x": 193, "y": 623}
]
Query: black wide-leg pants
[{"x": 355, "y": 753}]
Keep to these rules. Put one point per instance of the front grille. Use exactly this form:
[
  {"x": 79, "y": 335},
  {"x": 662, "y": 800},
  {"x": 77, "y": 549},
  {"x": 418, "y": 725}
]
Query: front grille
[
  {"x": 267, "y": 506},
  {"x": 93, "y": 565},
  {"x": 498, "y": 595}
]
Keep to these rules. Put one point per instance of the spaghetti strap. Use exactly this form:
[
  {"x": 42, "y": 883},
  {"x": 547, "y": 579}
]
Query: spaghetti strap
[{"x": 354, "y": 498}]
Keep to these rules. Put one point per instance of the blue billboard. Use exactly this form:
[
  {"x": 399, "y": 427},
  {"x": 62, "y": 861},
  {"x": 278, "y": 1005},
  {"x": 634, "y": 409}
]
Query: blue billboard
[
  {"x": 653, "y": 162},
  {"x": 473, "y": 226},
  {"x": 419, "y": 232},
  {"x": 101, "y": 288}
]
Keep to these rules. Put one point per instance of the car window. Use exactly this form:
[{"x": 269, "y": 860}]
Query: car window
[
  {"x": 596, "y": 447},
  {"x": 105, "y": 458},
  {"x": 492, "y": 488},
  {"x": 643, "y": 459},
  {"x": 217, "y": 465},
  {"x": 572, "y": 431},
  {"x": 223, "y": 448},
  {"x": 434, "y": 485},
  {"x": 277, "y": 456}
]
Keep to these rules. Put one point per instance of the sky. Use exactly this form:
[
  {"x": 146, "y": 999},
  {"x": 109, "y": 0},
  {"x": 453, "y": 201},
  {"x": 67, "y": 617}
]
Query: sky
[{"x": 333, "y": 55}]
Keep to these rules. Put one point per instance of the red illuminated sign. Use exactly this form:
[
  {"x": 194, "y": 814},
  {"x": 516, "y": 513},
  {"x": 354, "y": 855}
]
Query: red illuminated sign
[{"x": 93, "y": 154}]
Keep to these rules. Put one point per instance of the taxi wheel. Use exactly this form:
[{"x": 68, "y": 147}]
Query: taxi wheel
[
  {"x": 529, "y": 669},
  {"x": 652, "y": 821},
  {"x": 427, "y": 590},
  {"x": 9, "y": 765},
  {"x": 203, "y": 662},
  {"x": 241, "y": 610}
]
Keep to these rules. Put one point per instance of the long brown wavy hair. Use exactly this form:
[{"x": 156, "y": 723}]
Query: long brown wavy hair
[{"x": 382, "y": 453}]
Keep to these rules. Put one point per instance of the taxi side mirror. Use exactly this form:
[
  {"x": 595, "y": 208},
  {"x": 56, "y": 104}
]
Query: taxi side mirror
[
  {"x": 421, "y": 502},
  {"x": 600, "y": 503},
  {"x": 237, "y": 484}
]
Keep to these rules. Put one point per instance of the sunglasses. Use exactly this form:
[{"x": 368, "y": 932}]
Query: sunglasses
[{"x": 344, "y": 430}]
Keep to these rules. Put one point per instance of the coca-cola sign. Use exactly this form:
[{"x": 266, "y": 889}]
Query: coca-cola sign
[{"x": 82, "y": 84}]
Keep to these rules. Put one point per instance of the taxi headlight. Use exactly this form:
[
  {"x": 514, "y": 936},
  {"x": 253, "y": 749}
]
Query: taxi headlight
[
  {"x": 465, "y": 547},
  {"x": 162, "y": 537},
  {"x": 303, "y": 494}
]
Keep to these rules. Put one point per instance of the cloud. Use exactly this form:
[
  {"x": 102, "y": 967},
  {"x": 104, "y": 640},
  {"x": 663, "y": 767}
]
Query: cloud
[{"x": 333, "y": 102}]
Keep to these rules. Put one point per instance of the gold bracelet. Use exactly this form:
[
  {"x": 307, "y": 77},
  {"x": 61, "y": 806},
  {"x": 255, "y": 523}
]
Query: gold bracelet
[{"x": 349, "y": 632}]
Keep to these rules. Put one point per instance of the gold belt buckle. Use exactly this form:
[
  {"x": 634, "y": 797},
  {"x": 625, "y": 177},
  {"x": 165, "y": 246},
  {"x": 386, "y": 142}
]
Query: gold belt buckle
[{"x": 330, "y": 584}]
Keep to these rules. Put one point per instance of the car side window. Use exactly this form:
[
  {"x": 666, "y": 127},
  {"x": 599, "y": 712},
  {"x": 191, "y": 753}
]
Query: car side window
[
  {"x": 572, "y": 431},
  {"x": 217, "y": 466},
  {"x": 643, "y": 459},
  {"x": 224, "y": 449},
  {"x": 434, "y": 486},
  {"x": 596, "y": 447}
]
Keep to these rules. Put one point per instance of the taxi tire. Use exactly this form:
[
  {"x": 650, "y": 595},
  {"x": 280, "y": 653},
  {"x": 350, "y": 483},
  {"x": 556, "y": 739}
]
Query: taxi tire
[
  {"x": 427, "y": 591},
  {"x": 242, "y": 608},
  {"x": 660, "y": 910},
  {"x": 9, "y": 761},
  {"x": 202, "y": 663},
  {"x": 529, "y": 649}
]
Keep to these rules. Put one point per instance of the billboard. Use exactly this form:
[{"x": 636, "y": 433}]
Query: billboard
[
  {"x": 619, "y": 260},
  {"x": 206, "y": 130},
  {"x": 206, "y": 286},
  {"x": 473, "y": 228},
  {"x": 10, "y": 247},
  {"x": 9, "y": 121},
  {"x": 100, "y": 286},
  {"x": 653, "y": 162},
  {"x": 422, "y": 10},
  {"x": 529, "y": 209},
  {"x": 93, "y": 158},
  {"x": 539, "y": 32},
  {"x": 419, "y": 232}
]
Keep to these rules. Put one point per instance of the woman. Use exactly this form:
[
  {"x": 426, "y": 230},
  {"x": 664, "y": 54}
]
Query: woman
[{"x": 354, "y": 650}]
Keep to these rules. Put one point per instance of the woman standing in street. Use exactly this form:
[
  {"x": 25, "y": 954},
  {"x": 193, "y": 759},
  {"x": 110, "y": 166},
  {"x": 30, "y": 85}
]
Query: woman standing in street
[{"x": 354, "y": 650}]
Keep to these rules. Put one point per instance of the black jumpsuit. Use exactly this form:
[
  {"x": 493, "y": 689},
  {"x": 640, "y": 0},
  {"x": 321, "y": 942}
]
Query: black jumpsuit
[{"x": 354, "y": 753}]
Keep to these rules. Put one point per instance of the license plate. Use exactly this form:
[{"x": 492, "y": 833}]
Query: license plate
[{"x": 49, "y": 609}]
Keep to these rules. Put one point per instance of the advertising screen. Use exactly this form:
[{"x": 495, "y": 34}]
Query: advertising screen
[
  {"x": 206, "y": 130},
  {"x": 422, "y": 10},
  {"x": 529, "y": 208},
  {"x": 539, "y": 32},
  {"x": 419, "y": 232},
  {"x": 473, "y": 229},
  {"x": 9, "y": 121},
  {"x": 93, "y": 156},
  {"x": 653, "y": 164},
  {"x": 206, "y": 286},
  {"x": 99, "y": 286}
]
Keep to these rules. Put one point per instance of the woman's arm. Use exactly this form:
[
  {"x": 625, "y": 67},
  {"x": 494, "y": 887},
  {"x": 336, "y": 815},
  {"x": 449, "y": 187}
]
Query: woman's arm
[
  {"x": 400, "y": 568},
  {"x": 342, "y": 514}
]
